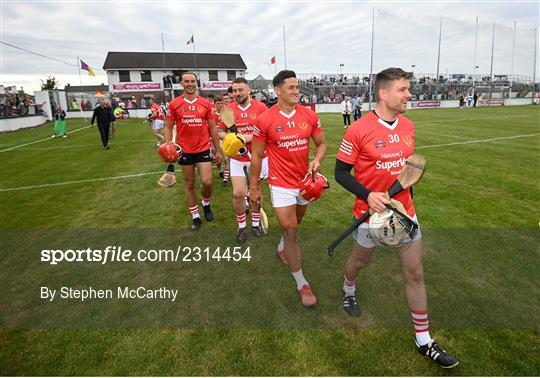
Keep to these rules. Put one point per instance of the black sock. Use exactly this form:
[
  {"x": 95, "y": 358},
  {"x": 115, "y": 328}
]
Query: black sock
[{"x": 170, "y": 168}]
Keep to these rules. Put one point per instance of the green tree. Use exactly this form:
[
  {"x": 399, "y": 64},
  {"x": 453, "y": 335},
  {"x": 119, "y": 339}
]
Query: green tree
[{"x": 49, "y": 84}]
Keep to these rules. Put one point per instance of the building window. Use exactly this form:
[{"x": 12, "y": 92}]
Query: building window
[
  {"x": 146, "y": 76},
  {"x": 124, "y": 76},
  {"x": 212, "y": 75},
  {"x": 231, "y": 75}
]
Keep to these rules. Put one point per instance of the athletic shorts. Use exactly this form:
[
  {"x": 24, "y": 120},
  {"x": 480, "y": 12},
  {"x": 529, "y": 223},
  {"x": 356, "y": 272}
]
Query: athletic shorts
[
  {"x": 237, "y": 168},
  {"x": 362, "y": 237},
  {"x": 158, "y": 124},
  {"x": 199, "y": 157},
  {"x": 282, "y": 197}
]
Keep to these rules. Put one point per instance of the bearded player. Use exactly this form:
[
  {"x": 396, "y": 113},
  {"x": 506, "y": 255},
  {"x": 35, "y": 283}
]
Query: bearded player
[
  {"x": 195, "y": 132},
  {"x": 246, "y": 110},
  {"x": 285, "y": 130},
  {"x": 376, "y": 146}
]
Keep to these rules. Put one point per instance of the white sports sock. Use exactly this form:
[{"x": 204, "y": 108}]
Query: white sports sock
[
  {"x": 281, "y": 245},
  {"x": 349, "y": 287},
  {"x": 300, "y": 279},
  {"x": 423, "y": 338}
]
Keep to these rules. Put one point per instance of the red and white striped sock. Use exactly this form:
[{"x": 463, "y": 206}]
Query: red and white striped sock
[
  {"x": 241, "y": 219},
  {"x": 255, "y": 218},
  {"x": 349, "y": 286},
  {"x": 206, "y": 201},
  {"x": 194, "y": 210},
  {"x": 421, "y": 326},
  {"x": 226, "y": 174}
]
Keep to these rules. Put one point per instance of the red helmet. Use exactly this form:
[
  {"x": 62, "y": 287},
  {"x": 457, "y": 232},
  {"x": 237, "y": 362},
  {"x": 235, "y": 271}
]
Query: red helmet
[
  {"x": 169, "y": 152},
  {"x": 312, "y": 186}
]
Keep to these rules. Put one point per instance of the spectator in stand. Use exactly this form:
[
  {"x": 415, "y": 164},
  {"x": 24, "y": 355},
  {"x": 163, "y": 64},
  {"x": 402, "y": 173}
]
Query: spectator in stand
[
  {"x": 475, "y": 99},
  {"x": 143, "y": 103}
]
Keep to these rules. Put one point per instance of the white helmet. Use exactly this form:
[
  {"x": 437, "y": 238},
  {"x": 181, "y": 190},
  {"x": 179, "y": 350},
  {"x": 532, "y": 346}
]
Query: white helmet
[{"x": 392, "y": 227}]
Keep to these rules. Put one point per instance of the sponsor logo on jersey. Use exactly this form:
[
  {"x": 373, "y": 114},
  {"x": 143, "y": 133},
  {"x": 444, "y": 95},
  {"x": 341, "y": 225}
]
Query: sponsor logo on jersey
[
  {"x": 303, "y": 125},
  {"x": 380, "y": 144},
  {"x": 279, "y": 129},
  {"x": 192, "y": 121},
  {"x": 292, "y": 143},
  {"x": 389, "y": 165}
]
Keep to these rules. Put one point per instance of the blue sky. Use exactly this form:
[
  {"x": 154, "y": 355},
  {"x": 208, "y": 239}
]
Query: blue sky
[{"x": 319, "y": 35}]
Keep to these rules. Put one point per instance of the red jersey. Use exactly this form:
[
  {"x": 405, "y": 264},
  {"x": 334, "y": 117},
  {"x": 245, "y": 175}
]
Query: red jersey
[
  {"x": 157, "y": 111},
  {"x": 217, "y": 118},
  {"x": 191, "y": 118},
  {"x": 287, "y": 143},
  {"x": 244, "y": 119},
  {"x": 378, "y": 151}
]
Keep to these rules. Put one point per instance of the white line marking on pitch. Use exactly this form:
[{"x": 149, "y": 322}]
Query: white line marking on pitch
[
  {"x": 476, "y": 141},
  {"x": 158, "y": 172},
  {"x": 41, "y": 140},
  {"x": 80, "y": 181},
  {"x": 468, "y": 142}
]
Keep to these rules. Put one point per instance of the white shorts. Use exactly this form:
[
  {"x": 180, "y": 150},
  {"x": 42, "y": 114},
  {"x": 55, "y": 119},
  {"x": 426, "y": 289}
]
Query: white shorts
[
  {"x": 282, "y": 197},
  {"x": 362, "y": 237},
  {"x": 237, "y": 168},
  {"x": 157, "y": 124}
]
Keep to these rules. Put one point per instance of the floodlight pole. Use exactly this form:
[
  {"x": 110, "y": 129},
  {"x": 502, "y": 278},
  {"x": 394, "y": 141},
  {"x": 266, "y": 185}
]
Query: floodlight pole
[
  {"x": 438, "y": 62},
  {"x": 284, "y": 48},
  {"x": 163, "y": 55},
  {"x": 491, "y": 67},
  {"x": 475, "y": 66},
  {"x": 534, "y": 66},
  {"x": 371, "y": 64},
  {"x": 512, "y": 65}
]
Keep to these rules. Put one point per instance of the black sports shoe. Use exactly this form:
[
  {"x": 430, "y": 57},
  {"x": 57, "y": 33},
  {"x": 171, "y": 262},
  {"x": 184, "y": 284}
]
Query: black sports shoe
[
  {"x": 241, "y": 235},
  {"x": 221, "y": 174},
  {"x": 208, "y": 213},
  {"x": 257, "y": 231},
  {"x": 350, "y": 305},
  {"x": 436, "y": 353},
  {"x": 225, "y": 182},
  {"x": 196, "y": 223}
]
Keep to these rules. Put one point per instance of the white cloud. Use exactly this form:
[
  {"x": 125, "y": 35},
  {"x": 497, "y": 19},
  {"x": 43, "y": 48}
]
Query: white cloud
[{"x": 320, "y": 35}]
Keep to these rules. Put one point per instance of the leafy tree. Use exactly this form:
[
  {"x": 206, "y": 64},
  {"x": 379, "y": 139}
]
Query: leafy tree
[{"x": 49, "y": 84}]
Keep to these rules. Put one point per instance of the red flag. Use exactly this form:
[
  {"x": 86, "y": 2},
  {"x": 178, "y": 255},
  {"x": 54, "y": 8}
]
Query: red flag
[{"x": 273, "y": 60}]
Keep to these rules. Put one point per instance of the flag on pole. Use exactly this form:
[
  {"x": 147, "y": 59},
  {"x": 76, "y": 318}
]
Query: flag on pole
[
  {"x": 190, "y": 40},
  {"x": 273, "y": 60},
  {"x": 86, "y": 67}
]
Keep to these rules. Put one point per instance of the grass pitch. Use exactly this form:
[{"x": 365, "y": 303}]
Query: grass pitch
[{"x": 478, "y": 205}]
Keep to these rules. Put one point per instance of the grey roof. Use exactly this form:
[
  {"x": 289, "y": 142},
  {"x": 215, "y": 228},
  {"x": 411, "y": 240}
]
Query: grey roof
[
  {"x": 86, "y": 88},
  {"x": 127, "y": 60}
]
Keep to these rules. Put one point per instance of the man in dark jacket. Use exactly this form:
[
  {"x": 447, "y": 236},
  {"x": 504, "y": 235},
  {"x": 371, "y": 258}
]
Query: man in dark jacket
[{"x": 104, "y": 116}]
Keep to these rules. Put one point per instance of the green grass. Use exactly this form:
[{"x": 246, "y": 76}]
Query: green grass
[{"x": 478, "y": 204}]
